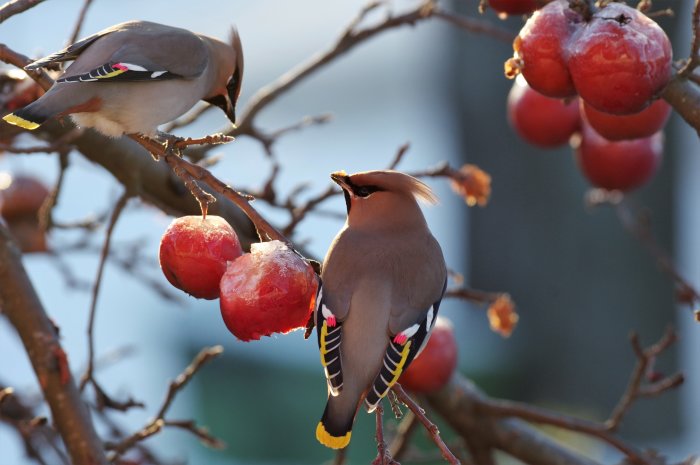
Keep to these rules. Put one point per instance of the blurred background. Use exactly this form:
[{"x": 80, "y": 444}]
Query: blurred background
[{"x": 581, "y": 283}]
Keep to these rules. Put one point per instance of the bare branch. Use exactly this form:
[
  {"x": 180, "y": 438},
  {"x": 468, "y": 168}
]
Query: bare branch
[
  {"x": 79, "y": 23},
  {"x": 645, "y": 362},
  {"x": 22, "y": 306},
  {"x": 11, "y": 57},
  {"x": 14, "y": 7},
  {"x": 476, "y": 26},
  {"x": 637, "y": 224},
  {"x": 694, "y": 58},
  {"x": 155, "y": 425},
  {"x": 429, "y": 426},
  {"x": 116, "y": 213}
]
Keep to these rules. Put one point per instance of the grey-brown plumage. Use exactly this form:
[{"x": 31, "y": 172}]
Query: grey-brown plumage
[
  {"x": 382, "y": 282},
  {"x": 135, "y": 76}
]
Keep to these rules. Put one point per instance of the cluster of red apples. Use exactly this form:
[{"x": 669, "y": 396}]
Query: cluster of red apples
[
  {"x": 597, "y": 74},
  {"x": 269, "y": 290}
]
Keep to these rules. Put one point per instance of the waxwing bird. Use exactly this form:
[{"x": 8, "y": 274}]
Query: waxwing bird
[
  {"x": 134, "y": 76},
  {"x": 381, "y": 286}
]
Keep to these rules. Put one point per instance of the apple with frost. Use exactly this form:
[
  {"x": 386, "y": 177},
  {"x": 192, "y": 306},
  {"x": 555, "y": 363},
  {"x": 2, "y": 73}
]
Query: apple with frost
[
  {"x": 194, "y": 252},
  {"x": 270, "y": 290}
]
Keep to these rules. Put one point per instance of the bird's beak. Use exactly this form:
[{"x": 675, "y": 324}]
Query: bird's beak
[
  {"x": 231, "y": 111},
  {"x": 342, "y": 179}
]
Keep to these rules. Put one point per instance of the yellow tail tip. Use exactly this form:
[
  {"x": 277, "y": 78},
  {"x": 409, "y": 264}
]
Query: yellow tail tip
[
  {"x": 330, "y": 441},
  {"x": 21, "y": 122}
]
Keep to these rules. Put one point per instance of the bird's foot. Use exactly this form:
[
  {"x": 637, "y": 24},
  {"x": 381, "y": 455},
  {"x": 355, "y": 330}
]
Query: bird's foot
[{"x": 170, "y": 142}]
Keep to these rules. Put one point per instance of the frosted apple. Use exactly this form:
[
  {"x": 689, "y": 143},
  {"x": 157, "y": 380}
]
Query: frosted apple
[
  {"x": 270, "y": 290},
  {"x": 194, "y": 252}
]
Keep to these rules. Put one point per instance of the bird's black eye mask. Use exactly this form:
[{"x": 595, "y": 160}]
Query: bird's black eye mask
[
  {"x": 234, "y": 86},
  {"x": 363, "y": 191}
]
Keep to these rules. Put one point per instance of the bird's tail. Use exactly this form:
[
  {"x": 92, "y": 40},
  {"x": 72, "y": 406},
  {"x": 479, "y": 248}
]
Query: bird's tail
[
  {"x": 334, "y": 431},
  {"x": 30, "y": 117}
]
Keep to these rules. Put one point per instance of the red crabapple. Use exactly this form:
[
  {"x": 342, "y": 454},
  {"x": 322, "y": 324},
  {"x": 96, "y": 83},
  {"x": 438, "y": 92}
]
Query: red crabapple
[
  {"x": 542, "y": 121},
  {"x": 634, "y": 126},
  {"x": 21, "y": 195},
  {"x": 540, "y": 50},
  {"x": 622, "y": 165},
  {"x": 620, "y": 60},
  {"x": 270, "y": 290},
  {"x": 194, "y": 252},
  {"x": 432, "y": 369}
]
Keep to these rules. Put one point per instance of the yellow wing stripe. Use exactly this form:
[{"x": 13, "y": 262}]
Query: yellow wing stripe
[
  {"x": 330, "y": 441},
  {"x": 21, "y": 122},
  {"x": 116, "y": 72},
  {"x": 399, "y": 368},
  {"x": 324, "y": 333}
]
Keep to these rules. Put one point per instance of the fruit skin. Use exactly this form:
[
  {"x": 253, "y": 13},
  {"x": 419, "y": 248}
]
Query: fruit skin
[
  {"x": 514, "y": 7},
  {"x": 270, "y": 290},
  {"x": 194, "y": 253},
  {"x": 622, "y": 165},
  {"x": 433, "y": 367},
  {"x": 21, "y": 195},
  {"x": 541, "y": 49},
  {"x": 622, "y": 127},
  {"x": 620, "y": 60},
  {"x": 539, "y": 120}
]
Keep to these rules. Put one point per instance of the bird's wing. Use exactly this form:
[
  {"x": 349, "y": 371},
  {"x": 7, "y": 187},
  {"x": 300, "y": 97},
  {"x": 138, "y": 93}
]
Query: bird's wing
[
  {"x": 403, "y": 347},
  {"x": 69, "y": 53},
  {"x": 134, "y": 51},
  {"x": 329, "y": 332},
  {"x": 149, "y": 57}
]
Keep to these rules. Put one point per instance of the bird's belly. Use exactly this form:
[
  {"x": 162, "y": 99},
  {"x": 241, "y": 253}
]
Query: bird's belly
[{"x": 141, "y": 109}]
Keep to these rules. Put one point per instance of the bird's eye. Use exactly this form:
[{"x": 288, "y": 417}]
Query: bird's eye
[{"x": 365, "y": 191}]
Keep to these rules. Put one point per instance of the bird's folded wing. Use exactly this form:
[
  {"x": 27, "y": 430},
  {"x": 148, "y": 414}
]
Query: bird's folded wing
[
  {"x": 178, "y": 56},
  {"x": 141, "y": 54},
  {"x": 400, "y": 353},
  {"x": 329, "y": 331},
  {"x": 69, "y": 53}
]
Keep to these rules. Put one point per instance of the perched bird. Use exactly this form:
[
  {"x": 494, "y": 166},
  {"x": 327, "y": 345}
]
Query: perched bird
[
  {"x": 381, "y": 286},
  {"x": 134, "y": 76}
]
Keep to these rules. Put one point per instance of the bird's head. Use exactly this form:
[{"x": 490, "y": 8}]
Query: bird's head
[
  {"x": 227, "y": 87},
  {"x": 383, "y": 198}
]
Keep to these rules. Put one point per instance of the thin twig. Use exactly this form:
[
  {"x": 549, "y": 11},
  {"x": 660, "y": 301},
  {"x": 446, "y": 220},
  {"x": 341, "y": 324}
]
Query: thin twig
[
  {"x": 116, "y": 213},
  {"x": 79, "y": 23},
  {"x": 694, "y": 59},
  {"x": 402, "y": 440},
  {"x": 601, "y": 431},
  {"x": 429, "y": 426},
  {"x": 14, "y": 7},
  {"x": 11, "y": 57},
  {"x": 638, "y": 225},
  {"x": 645, "y": 361},
  {"x": 154, "y": 426},
  {"x": 476, "y": 26},
  {"x": 400, "y": 153},
  {"x": 383, "y": 457}
]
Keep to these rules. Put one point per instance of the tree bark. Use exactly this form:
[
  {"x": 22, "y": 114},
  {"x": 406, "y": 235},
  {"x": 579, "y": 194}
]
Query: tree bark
[
  {"x": 458, "y": 403},
  {"x": 20, "y": 303}
]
